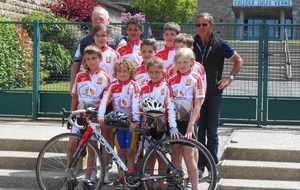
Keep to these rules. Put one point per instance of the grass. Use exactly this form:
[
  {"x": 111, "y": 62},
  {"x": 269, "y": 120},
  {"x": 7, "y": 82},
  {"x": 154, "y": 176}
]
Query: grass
[{"x": 57, "y": 86}]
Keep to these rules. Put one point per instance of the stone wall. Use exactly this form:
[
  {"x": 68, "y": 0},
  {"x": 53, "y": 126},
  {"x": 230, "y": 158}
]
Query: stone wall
[{"x": 18, "y": 8}]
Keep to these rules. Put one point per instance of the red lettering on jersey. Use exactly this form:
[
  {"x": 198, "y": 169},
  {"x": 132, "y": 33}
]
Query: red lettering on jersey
[
  {"x": 116, "y": 88},
  {"x": 175, "y": 80},
  {"x": 141, "y": 69}
]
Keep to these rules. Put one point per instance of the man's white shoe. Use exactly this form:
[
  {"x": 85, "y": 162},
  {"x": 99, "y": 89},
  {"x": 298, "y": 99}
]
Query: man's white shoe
[{"x": 106, "y": 178}]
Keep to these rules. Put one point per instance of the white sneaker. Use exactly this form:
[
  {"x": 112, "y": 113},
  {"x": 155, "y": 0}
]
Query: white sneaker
[
  {"x": 106, "y": 178},
  {"x": 93, "y": 177}
]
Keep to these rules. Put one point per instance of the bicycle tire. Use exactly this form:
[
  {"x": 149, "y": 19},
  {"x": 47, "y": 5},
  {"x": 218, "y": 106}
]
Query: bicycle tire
[
  {"x": 52, "y": 169},
  {"x": 166, "y": 146}
]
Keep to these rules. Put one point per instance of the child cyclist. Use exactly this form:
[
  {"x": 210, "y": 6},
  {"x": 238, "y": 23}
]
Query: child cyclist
[
  {"x": 124, "y": 95},
  {"x": 87, "y": 89},
  {"x": 170, "y": 31},
  {"x": 188, "y": 96},
  {"x": 100, "y": 34},
  {"x": 131, "y": 49},
  {"x": 187, "y": 40},
  {"x": 157, "y": 90},
  {"x": 148, "y": 49}
]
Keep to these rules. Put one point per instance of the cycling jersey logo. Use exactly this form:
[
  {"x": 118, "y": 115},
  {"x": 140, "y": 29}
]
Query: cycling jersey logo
[
  {"x": 99, "y": 81},
  {"x": 89, "y": 91},
  {"x": 108, "y": 59},
  {"x": 122, "y": 102},
  {"x": 188, "y": 82},
  {"x": 179, "y": 93},
  {"x": 162, "y": 92}
]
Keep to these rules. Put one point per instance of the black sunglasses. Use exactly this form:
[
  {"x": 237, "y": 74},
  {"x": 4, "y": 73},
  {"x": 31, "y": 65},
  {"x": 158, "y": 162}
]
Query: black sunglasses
[{"x": 203, "y": 25}]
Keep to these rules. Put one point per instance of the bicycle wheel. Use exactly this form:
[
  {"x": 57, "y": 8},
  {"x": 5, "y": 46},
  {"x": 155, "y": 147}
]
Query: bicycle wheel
[
  {"x": 52, "y": 167},
  {"x": 159, "y": 175}
]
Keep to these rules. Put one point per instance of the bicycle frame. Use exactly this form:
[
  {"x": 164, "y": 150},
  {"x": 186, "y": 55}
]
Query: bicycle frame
[{"x": 92, "y": 129}]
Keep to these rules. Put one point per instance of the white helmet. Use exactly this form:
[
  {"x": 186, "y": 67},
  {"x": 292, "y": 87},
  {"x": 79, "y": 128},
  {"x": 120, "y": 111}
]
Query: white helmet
[{"x": 151, "y": 105}]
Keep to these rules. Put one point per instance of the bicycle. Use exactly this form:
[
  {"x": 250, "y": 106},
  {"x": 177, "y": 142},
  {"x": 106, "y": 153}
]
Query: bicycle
[{"x": 52, "y": 169}]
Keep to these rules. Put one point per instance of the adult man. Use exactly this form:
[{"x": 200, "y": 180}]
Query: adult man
[
  {"x": 211, "y": 51},
  {"x": 99, "y": 16}
]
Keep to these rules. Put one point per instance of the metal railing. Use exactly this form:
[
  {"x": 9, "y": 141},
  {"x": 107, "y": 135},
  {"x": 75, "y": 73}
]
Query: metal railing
[{"x": 287, "y": 56}]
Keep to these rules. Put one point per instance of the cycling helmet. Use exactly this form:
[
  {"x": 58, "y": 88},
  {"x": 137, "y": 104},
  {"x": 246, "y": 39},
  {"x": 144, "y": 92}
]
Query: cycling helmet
[
  {"x": 151, "y": 105},
  {"x": 117, "y": 119}
]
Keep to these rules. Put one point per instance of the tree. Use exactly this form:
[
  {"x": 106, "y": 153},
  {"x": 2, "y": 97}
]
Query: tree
[
  {"x": 74, "y": 10},
  {"x": 167, "y": 10}
]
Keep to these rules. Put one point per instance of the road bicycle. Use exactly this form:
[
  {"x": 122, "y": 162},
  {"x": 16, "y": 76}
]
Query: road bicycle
[{"x": 53, "y": 167}]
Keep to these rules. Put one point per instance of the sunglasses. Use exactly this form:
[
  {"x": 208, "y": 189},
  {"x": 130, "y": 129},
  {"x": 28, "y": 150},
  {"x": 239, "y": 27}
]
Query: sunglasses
[{"x": 203, "y": 25}]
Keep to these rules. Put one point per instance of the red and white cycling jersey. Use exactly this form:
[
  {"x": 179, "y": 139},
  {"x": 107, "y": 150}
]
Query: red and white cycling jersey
[
  {"x": 124, "y": 97},
  {"x": 109, "y": 56},
  {"x": 167, "y": 55},
  {"x": 160, "y": 91},
  {"x": 126, "y": 50},
  {"x": 89, "y": 88},
  {"x": 197, "y": 68},
  {"x": 142, "y": 76},
  {"x": 186, "y": 88}
]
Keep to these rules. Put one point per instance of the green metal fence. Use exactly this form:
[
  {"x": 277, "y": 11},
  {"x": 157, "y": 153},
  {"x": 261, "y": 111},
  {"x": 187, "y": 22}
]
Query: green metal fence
[{"x": 265, "y": 92}]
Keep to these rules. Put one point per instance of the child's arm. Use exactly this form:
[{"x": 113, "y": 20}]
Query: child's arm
[
  {"x": 171, "y": 115},
  {"x": 135, "y": 98},
  {"x": 74, "y": 101},
  {"x": 190, "y": 133},
  {"x": 104, "y": 102}
]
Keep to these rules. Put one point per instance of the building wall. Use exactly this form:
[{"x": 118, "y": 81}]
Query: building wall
[{"x": 220, "y": 10}]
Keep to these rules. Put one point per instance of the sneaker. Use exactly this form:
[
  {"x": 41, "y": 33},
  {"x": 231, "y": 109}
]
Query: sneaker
[
  {"x": 71, "y": 184},
  {"x": 106, "y": 178},
  {"x": 88, "y": 185},
  {"x": 119, "y": 182},
  {"x": 93, "y": 177},
  {"x": 201, "y": 172},
  {"x": 172, "y": 186},
  {"x": 208, "y": 180}
]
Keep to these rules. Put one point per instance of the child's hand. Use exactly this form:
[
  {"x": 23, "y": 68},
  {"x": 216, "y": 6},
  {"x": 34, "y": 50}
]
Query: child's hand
[
  {"x": 190, "y": 131},
  {"x": 101, "y": 122},
  {"x": 133, "y": 126},
  {"x": 174, "y": 133}
]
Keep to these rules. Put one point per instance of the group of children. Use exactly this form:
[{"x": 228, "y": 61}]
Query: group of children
[{"x": 122, "y": 79}]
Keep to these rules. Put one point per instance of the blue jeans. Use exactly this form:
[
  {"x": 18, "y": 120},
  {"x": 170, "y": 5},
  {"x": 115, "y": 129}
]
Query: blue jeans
[{"x": 208, "y": 127}]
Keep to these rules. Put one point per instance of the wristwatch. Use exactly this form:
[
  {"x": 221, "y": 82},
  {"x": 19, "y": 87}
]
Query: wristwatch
[{"x": 231, "y": 77}]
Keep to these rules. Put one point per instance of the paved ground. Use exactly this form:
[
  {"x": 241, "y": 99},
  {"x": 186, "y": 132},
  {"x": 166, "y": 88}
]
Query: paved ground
[{"x": 45, "y": 129}]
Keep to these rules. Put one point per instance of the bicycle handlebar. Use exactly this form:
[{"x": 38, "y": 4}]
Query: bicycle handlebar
[{"x": 70, "y": 114}]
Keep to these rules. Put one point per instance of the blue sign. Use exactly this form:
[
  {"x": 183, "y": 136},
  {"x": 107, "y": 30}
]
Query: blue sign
[{"x": 262, "y": 3}]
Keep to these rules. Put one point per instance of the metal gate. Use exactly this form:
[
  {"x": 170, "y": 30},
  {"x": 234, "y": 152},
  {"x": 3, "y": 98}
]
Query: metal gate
[{"x": 266, "y": 91}]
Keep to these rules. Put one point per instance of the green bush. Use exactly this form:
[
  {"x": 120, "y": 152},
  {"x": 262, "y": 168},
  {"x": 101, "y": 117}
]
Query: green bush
[
  {"x": 10, "y": 55},
  {"x": 16, "y": 57},
  {"x": 57, "y": 60},
  {"x": 65, "y": 34}
]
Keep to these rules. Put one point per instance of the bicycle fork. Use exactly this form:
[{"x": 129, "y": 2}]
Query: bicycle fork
[{"x": 80, "y": 148}]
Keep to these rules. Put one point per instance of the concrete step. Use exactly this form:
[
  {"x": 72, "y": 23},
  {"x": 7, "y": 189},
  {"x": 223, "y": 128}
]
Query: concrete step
[
  {"x": 244, "y": 184},
  {"x": 18, "y": 179},
  {"x": 237, "y": 153},
  {"x": 18, "y": 160},
  {"x": 246, "y": 169},
  {"x": 21, "y": 144}
]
